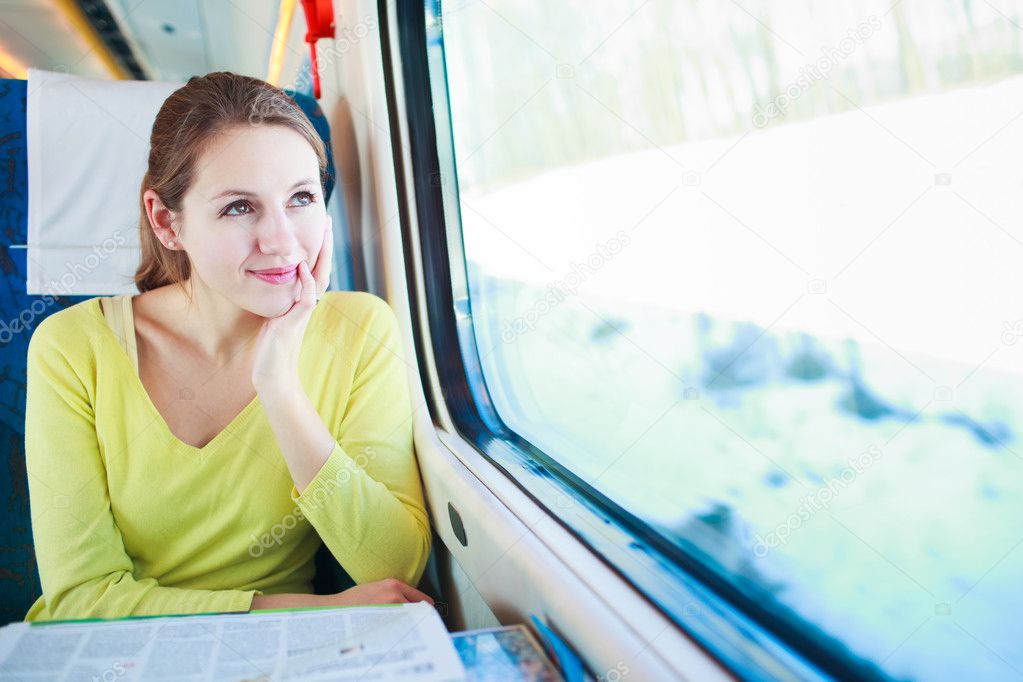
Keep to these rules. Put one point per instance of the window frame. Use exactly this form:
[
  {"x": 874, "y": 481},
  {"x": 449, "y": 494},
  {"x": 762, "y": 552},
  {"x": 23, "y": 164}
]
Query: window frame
[{"x": 749, "y": 640}]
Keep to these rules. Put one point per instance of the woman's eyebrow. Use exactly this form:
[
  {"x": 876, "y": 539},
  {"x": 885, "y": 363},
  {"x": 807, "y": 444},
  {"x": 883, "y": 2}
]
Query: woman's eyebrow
[{"x": 246, "y": 193}]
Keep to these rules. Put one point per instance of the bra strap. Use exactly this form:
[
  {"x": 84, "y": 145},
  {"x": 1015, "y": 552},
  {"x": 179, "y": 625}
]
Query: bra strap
[{"x": 118, "y": 313}]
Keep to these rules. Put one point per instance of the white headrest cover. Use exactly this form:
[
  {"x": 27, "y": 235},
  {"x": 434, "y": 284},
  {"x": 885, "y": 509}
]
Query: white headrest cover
[{"x": 88, "y": 143}]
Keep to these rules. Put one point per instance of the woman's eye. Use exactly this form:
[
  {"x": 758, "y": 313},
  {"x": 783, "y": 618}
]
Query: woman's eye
[
  {"x": 237, "y": 208},
  {"x": 303, "y": 198},
  {"x": 242, "y": 207}
]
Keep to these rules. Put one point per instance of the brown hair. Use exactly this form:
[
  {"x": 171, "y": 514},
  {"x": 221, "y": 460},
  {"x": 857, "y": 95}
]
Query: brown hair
[{"x": 188, "y": 121}]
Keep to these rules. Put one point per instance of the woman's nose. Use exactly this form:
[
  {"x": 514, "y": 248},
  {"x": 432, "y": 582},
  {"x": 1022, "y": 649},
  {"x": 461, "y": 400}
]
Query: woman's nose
[{"x": 275, "y": 233}]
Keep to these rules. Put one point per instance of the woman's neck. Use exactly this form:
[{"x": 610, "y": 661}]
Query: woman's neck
[{"x": 216, "y": 328}]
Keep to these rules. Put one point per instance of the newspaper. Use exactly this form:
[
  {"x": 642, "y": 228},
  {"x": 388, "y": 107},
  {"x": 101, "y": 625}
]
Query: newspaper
[{"x": 395, "y": 642}]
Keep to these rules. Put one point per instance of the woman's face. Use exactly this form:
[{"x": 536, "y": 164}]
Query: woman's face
[{"x": 255, "y": 204}]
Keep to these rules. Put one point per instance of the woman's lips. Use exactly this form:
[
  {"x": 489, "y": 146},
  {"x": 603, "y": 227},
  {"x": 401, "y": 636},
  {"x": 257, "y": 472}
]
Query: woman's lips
[{"x": 277, "y": 278}]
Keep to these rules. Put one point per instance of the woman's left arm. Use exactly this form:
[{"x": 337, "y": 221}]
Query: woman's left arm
[{"x": 362, "y": 492}]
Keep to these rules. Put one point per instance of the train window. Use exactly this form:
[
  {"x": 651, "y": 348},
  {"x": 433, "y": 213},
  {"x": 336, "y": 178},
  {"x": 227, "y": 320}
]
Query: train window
[{"x": 750, "y": 270}]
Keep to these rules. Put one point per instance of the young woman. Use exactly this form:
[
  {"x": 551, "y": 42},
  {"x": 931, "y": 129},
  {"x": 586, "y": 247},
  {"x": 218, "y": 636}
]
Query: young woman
[{"x": 189, "y": 448}]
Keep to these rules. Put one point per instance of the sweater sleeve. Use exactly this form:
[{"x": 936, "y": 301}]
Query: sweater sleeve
[
  {"x": 83, "y": 566},
  {"x": 366, "y": 502}
]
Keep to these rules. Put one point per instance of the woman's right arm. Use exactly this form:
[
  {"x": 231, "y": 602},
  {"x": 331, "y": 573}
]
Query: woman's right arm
[
  {"x": 83, "y": 566},
  {"x": 388, "y": 591}
]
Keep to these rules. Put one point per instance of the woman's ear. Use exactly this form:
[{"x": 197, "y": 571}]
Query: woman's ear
[{"x": 161, "y": 219}]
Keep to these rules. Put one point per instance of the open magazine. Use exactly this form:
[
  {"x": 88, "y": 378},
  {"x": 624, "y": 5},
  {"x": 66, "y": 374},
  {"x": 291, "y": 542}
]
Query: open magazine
[
  {"x": 393, "y": 642},
  {"x": 503, "y": 654}
]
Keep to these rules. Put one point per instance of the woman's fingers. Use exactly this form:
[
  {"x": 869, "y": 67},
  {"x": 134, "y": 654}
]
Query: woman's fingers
[
  {"x": 308, "y": 283},
  {"x": 387, "y": 591},
  {"x": 321, "y": 269},
  {"x": 412, "y": 594}
]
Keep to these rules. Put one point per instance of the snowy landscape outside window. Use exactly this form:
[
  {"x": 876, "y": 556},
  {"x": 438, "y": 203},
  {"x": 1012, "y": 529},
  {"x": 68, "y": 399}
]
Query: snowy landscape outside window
[{"x": 754, "y": 270}]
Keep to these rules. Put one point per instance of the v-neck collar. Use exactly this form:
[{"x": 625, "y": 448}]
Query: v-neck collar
[{"x": 218, "y": 439}]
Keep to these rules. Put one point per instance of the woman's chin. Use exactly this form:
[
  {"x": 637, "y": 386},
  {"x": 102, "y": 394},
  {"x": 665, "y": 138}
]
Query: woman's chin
[
  {"x": 270, "y": 306},
  {"x": 281, "y": 308}
]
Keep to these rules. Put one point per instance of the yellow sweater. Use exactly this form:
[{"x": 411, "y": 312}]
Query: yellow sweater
[{"x": 130, "y": 520}]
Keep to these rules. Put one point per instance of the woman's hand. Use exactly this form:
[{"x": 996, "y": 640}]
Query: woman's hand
[
  {"x": 388, "y": 591},
  {"x": 280, "y": 340}
]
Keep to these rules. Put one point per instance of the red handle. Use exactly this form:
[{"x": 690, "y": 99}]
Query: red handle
[{"x": 319, "y": 20}]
